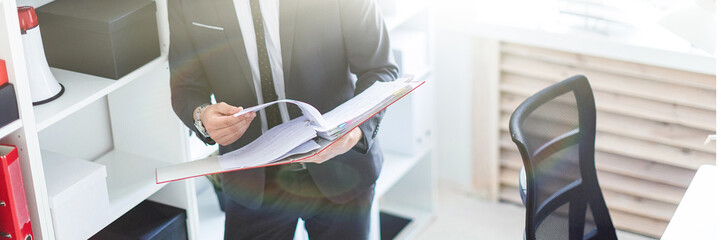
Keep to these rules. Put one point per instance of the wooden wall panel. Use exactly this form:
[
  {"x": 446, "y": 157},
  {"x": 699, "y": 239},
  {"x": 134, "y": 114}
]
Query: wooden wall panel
[{"x": 652, "y": 123}]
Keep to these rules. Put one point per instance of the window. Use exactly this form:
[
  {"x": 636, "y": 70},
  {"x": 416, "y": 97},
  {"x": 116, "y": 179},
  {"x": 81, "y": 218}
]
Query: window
[{"x": 605, "y": 15}]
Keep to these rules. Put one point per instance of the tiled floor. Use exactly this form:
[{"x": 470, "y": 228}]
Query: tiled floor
[{"x": 461, "y": 216}]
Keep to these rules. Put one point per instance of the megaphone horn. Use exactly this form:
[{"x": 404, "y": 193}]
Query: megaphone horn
[{"x": 43, "y": 86}]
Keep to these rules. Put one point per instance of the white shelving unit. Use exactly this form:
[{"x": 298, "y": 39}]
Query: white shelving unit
[
  {"x": 132, "y": 130},
  {"x": 24, "y": 134},
  {"x": 10, "y": 128},
  {"x": 139, "y": 130}
]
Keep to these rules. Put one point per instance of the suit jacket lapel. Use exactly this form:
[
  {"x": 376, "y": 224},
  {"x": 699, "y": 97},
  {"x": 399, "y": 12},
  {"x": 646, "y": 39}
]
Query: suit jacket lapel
[
  {"x": 229, "y": 20},
  {"x": 287, "y": 34}
]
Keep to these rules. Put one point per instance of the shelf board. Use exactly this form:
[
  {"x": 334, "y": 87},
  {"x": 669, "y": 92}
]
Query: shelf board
[
  {"x": 131, "y": 179},
  {"x": 395, "y": 166},
  {"x": 82, "y": 90},
  {"x": 404, "y": 13},
  {"x": 10, "y": 128}
]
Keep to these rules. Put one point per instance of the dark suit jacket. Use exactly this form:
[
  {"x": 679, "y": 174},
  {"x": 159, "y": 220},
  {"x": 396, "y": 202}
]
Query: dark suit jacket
[{"x": 325, "y": 44}]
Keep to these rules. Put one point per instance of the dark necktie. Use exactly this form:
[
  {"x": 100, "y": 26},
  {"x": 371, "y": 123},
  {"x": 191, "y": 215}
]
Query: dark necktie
[{"x": 272, "y": 113}]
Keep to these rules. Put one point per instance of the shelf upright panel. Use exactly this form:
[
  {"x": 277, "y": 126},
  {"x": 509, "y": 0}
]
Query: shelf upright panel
[{"x": 25, "y": 137}]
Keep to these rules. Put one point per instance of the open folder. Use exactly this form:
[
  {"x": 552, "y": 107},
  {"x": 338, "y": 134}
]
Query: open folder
[{"x": 297, "y": 139}]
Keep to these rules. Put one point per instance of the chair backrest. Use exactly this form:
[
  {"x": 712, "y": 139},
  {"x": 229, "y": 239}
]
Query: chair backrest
[{"x": 555, "y": 130}]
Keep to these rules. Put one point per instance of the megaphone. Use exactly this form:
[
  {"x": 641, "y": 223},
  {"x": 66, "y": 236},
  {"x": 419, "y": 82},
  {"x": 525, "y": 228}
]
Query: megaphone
[{"x": 43, "y": 86}]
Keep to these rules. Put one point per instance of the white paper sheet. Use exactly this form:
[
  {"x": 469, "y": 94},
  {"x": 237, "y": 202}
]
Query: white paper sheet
[
  {"x": 365, "y": 101},
  {"x": 362, "y": 106},
  {"x": 308, "y": 146},
  {"x": 308, "y": 110},
  {"x": 270, "y": 146}
]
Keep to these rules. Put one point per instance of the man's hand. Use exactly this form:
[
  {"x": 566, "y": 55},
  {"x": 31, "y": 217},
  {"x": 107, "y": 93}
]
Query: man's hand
[
  {"x": 222, "y": 126},
  {"x": 338, "y": 147}
]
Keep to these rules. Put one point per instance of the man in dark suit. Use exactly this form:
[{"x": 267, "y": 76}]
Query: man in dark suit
[{"x": 246, "y": 52}]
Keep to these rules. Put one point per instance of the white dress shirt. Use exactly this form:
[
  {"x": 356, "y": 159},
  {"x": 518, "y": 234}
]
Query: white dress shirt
[{"x": 270, "y": 11}]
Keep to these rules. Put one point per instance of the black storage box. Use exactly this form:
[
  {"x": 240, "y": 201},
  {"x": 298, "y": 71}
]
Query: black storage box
[
  {"x": 106, "y": 38},
  {"x": 392, "y": 225},
  {"x": 8, "y": 105},
  {"x": 147, "y": 221}
]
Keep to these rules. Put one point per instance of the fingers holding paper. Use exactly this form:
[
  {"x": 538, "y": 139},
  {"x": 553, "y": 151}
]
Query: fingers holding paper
[
  {"x": 222, "y": 126},
  {"x": 340, "y": 146}
]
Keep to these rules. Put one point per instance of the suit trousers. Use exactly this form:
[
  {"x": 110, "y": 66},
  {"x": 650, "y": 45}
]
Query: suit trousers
[{"x": 290, "y": 195}]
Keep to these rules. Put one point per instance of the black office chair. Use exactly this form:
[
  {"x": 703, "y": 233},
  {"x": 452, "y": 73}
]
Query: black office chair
[{"x": 555, "y": 130}]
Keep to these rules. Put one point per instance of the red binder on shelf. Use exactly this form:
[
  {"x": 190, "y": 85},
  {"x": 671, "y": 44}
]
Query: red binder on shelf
[
  {"x": 385, "y": 94},
  {"x": 14, "y": 216},
  {"x": 3, "y": 73}
]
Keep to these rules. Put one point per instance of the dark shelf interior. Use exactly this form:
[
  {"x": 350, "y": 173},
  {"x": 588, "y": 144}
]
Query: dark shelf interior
[{"x": 392, "y": 225}]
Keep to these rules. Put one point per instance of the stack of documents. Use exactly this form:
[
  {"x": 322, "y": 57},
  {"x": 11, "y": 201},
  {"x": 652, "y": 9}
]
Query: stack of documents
[{"x": 299, "y": 138}]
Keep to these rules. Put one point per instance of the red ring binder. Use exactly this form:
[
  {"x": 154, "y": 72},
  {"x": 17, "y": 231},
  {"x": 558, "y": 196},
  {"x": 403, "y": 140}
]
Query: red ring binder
[{"x": 14, "y": 216}]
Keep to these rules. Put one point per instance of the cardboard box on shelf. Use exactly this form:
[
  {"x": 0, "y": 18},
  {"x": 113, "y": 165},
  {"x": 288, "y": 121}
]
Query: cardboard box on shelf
[{"x": 78, "y": 194}]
